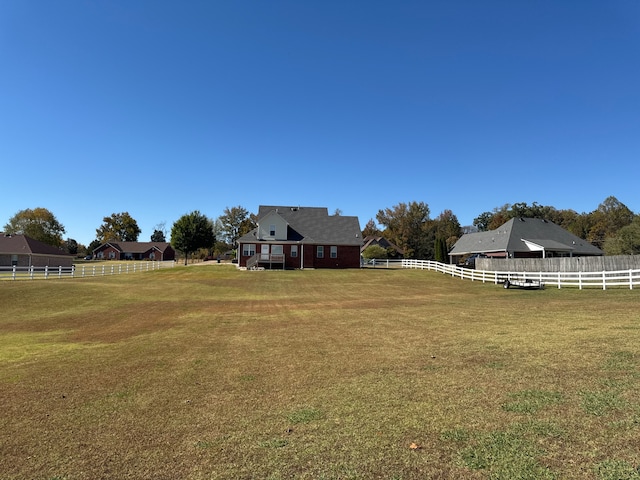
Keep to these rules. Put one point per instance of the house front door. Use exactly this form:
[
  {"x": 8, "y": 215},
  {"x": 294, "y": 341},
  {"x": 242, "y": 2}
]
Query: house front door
[{"x": 264, "y": 252}]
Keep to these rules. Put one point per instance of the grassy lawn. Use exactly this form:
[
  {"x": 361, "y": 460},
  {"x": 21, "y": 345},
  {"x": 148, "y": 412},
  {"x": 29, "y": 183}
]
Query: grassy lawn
[{"x": 207, "y": 372}]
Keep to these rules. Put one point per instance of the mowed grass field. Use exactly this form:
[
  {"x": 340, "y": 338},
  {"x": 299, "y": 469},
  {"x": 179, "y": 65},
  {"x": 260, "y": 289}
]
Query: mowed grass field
[{"x": 208, "y": 372}]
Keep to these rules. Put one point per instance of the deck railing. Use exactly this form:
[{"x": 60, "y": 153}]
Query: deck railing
[{"x": 265, "y": 258}]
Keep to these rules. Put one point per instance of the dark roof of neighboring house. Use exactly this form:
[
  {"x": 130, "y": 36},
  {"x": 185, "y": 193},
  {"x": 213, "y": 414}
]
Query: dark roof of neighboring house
[
  {"x": 513, "y": 235},
  {"x": 313, "y": 225},
  {"x": 17, "y": 244},
  {"x": 381, "y": 241},
  {"x": 136, "y": 247}
]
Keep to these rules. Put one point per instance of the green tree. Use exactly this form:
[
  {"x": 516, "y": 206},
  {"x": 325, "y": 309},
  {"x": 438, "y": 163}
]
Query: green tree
[
  {"x": 441, "y": 250},
  {"x": 119, "y": 227},
  {"x": 39, "y": 224},
  {"x": 71, "y": 246},
  {"x": 192, "y": 232},
  {"x": 626, "y": 241},
  {"x": 610, "y": 216},
  {"x": 448, "y": 229},
  {"x": 482, "y": 221},
  {"x": 374, "y": 251},
  {"x": 159, "y": 233},
  {"x": 235, "y": 222},
  {"x": 370, "y": 229},
  {"x": 408, "y": 226},
  {"x": 491, "y": 220},
  {"x": 93, "y": 245},
  {"x": 158, "y": 236}
]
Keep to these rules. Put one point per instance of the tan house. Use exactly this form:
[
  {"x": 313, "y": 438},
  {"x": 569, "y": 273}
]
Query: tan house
[{"x": 22, "y": 251}]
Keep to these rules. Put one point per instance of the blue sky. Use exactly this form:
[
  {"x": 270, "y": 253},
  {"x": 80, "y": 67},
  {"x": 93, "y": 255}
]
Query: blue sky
[{"x": 160, "y": 108}]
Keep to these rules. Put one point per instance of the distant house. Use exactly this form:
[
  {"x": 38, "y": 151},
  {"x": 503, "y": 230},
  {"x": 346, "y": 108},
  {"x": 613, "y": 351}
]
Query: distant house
[
  {"x": 158, "y": 251},
  {"x": 23, "y": 251},
  {"x": 389, "y": 246},
  {"x": 523, "y": 238},
  {"x": 301, "y": 237}
]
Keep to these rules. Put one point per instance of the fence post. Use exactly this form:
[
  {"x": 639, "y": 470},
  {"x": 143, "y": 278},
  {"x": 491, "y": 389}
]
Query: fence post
[
  {"x": 13, "y": 275},
  {"x": 630, "y": 279},
  {"x": 604, "y": 280},
  {"x": 31, "y": 271},
  {"x": 59, "y": 271},
  {"x": 46, "y": 272},
  {"x": 580, "y": 280}
]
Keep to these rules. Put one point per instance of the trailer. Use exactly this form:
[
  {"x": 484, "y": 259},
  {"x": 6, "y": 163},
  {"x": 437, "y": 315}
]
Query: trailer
[{"x": 527, "y": 283}]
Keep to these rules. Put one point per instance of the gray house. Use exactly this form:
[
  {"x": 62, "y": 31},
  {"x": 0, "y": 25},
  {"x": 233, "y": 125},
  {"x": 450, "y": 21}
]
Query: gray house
[{"x": 523, "y": 238}]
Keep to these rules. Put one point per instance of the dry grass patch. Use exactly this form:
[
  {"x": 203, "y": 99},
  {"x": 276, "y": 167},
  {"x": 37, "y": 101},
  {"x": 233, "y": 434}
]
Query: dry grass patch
[{"x": 210, "y": 372}]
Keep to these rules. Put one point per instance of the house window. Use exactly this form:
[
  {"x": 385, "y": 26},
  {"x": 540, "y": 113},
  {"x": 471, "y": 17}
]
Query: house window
[
  {"x": 334, "y": 252},
  {"x": 248, "y": 249},
  {"x": 294, "y": 251},
  {"x": 276, "y": 250},
  {"x": 320, "y": 251},
  {"x": 152, "y": 256},
  {"x": 112, "y": 255},
  {"x": 14, "y": 260},
  {"x": 272, "y": 230}
]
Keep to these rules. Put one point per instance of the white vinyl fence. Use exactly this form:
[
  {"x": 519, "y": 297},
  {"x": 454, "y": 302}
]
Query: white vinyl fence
[
  {"x": 79, "y": 271},
  {"x": 602, "y": 280}
]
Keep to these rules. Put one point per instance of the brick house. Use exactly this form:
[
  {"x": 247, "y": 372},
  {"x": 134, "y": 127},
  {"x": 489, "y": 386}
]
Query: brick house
[
  {"x": 301, "y": 237},
  {"x": 158, "y": 251},
  {"x": 23, "y": 251}
]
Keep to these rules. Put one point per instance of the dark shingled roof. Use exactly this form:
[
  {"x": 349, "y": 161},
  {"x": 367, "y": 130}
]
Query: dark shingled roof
[
  {"x": 17, "y": 244},
  {"x": 313, "y": 225},
  {"x": 136, "y": 247},
  {"x": 510, "y": 237}
]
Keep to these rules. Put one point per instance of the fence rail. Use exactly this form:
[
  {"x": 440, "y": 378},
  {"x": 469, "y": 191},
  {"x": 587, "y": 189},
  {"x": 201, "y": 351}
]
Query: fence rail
[
  {"x": 80, "y": 271},
  {"x": 603, "y": 280}
]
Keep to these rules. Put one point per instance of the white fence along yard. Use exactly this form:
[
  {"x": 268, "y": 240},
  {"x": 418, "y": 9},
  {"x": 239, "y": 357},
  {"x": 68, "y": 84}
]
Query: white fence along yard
[
  {"x": 602, "y": 280},
  {"x": 79, "y": 271}
]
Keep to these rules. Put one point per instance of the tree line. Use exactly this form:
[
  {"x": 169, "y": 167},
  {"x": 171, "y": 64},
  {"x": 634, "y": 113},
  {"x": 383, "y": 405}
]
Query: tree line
[
  {"x": 193, "y": 233},
  {"x": 612, "y": 226}
]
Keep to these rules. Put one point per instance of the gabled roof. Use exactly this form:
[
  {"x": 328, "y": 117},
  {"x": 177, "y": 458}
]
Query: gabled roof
[
  {"x": 17, "y": 244},
  {"x": 514, "y": 235},
  {"x": 312, "y": 225},
  {"x": 136, "y": 247},
  {"x": 381, "y": 241}
]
